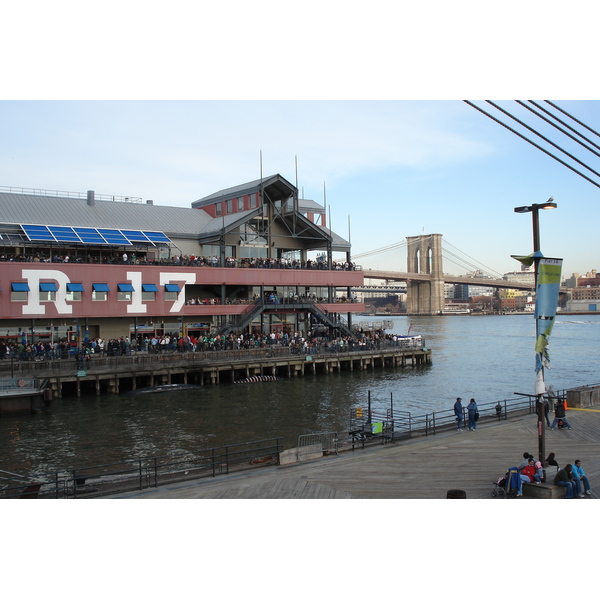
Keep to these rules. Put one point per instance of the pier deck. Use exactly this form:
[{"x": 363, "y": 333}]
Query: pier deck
[{"x": 419, "y": 468}]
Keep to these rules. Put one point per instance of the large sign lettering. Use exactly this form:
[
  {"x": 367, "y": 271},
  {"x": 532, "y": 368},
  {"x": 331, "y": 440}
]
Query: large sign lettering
[
  {"x": 177, "y": 278},
  {"x": 34, "y": 306}
]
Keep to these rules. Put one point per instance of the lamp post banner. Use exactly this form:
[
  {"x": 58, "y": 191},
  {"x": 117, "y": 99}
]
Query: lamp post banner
[{"x": 546, "y": 301}]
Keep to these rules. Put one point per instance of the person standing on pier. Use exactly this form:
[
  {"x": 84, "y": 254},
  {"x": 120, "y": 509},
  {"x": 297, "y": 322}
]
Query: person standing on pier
[
  {"x": 458, "y": 411},
  {"x": 472, "y": 408},
  {"x": 551, "y": 397},
  {"x": 559, "y": 415}
]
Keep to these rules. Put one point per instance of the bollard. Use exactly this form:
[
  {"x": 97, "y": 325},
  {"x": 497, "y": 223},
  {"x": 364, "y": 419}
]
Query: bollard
[{"x": 454, "y": 494}]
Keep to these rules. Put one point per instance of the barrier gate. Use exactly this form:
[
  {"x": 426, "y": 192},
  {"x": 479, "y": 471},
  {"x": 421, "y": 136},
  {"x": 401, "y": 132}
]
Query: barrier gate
[{"x": 327, "y": 443}]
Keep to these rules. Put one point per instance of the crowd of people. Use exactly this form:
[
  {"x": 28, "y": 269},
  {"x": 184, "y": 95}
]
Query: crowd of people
[
  {"x": 313, "y": 342},
  {"x": 572, "y": 476},
  {"x": 183, "y": 260}
]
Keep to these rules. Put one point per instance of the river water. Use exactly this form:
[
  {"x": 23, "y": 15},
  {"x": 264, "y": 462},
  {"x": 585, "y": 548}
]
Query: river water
[{"x": 484, "y": 357}]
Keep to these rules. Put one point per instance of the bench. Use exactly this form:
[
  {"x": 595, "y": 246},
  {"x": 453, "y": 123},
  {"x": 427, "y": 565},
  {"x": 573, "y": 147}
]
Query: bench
[{"x": 546, "y": 491}]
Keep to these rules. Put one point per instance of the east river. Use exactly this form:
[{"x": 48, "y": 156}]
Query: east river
[{"x": 485, "y": 357}]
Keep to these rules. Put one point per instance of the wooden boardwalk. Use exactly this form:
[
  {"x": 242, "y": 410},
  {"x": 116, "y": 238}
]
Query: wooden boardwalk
[{"x": 419, "y": 468}]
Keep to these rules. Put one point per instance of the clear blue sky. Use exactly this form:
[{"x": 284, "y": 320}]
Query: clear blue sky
[{"x": 173, "y": 109}]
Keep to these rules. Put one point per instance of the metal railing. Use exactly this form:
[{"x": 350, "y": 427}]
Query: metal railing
[
  {"x": 142, "y": 473},
  {"x": 397, "y": 424},
  {"x": 62, "y": 194},
  {"x": 141, "y": 359}
]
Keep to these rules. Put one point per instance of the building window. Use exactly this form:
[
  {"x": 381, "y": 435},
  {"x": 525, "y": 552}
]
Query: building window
[
  {"x": 149, "y": 292},
  {"x": 74, "y": 291},
  {"x": 229, "y": 207},
  {"x": 47, "y": 292},
  {"x": 100, "y": 292},
  {"x": 253, "y": 201},
  {"x": 218, "y": 209},
  {"x": 124, "y": 291},
  {"x": 240, "y": 204},
  {"x": 19, "y": 291},
  {"x": 171, "y": 291}
]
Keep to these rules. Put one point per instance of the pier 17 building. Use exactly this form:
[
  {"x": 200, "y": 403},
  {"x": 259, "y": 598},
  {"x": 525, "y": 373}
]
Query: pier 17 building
[{"x": 253, "y": 258}]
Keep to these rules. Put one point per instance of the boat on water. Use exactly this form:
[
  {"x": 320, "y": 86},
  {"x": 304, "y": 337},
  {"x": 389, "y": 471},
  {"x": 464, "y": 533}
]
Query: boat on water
[{"x": 167, "y": 387}]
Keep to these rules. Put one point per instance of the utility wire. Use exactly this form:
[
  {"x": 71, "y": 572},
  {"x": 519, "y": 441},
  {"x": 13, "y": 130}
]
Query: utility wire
[
  {"x": 556, "y": 126},
  {"x": 562, "y": 162},
  {"x": 572, "y": 117},
  {"x": 565, "y": 124},
  {"x": 543, "y": 137}
]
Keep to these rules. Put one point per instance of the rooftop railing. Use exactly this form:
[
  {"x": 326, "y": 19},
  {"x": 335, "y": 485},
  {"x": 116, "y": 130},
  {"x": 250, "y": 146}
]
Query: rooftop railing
[{"x": 62, "y": 194}]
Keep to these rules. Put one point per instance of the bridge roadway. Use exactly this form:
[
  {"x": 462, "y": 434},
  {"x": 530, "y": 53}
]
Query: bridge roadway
[
  {"x": 417, "y": 468},
  {"x": 496, "y": 283}
]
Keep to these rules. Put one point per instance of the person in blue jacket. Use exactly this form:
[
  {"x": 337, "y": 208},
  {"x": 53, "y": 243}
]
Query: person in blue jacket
[
  {"x": 579, "y": 476},
  {"x": 458, "y": 411},
  {"x": 472, "y": 408}
]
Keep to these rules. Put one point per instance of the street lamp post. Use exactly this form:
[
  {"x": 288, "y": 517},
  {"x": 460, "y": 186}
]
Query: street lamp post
[{"x": 534, "y": 210}]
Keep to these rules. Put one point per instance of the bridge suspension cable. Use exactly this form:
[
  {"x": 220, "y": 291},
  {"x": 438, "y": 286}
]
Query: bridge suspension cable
[
  {"x": 476, "y": 266},
  {"x": 381, "y": 250}
]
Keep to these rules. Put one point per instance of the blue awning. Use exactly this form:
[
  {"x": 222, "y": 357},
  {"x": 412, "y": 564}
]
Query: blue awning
[
  {"x": 19, "y": 287},
  {"x": 125, "y": 287},
  {"x": 149, "y": 287},
  {"x": 100, "y": 287},
  {"x": 75, "y": 287},
  {"x": 172, "y": 287},
  {"x": 48, "y": 287}
]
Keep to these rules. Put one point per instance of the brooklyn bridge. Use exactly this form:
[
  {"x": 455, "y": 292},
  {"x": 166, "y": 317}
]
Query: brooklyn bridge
[{"x": 425, "y": 277}]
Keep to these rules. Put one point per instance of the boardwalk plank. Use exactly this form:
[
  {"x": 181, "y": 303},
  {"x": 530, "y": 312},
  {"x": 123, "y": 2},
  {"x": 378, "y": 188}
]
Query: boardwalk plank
[{"x": 419, "y": 468}]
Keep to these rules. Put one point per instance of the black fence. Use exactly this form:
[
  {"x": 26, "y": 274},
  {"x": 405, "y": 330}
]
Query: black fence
[
  {"x": 142, "y": 473},
  {"x": 385, "y": 425}
]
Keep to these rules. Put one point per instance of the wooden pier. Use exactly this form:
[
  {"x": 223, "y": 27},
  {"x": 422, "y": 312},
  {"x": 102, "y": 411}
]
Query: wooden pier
[{"x": 106, "y": 375}]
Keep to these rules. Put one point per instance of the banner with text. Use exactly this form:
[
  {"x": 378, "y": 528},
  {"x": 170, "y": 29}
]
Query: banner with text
[{"x": 546, "y": 302}]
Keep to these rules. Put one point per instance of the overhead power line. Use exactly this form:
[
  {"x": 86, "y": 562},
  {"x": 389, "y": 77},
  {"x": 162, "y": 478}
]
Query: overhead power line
[
  {"x": 564, "y": 112},
  {"x": 564, "y": 124},
  {"x": 562, "y": 162},
  {"x": 542, "y": 136},
  {"x": 557, "y": 127}
]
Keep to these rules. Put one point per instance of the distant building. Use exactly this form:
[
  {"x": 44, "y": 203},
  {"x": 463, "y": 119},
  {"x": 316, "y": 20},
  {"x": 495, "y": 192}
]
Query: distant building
[{"x": 585, "y": 293}]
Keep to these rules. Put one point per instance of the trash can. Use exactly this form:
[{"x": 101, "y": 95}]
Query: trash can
[{"x": 453, "y": 494}]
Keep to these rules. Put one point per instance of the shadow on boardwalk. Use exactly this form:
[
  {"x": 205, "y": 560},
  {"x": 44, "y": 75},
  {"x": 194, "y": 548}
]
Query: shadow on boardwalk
[{"x": 420, "y": 468}]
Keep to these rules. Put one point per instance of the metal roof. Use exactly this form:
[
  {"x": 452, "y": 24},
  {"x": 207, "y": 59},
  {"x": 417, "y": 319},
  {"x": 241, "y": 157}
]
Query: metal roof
[
  {"x": 278, "y": 187},
  {"x": 176, "y": 222},
  {"x": 33, "y": 209}
]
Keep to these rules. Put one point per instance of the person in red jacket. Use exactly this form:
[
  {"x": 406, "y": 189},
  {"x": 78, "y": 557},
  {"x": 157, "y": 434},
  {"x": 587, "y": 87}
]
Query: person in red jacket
[{"x": 531, "y": 471}]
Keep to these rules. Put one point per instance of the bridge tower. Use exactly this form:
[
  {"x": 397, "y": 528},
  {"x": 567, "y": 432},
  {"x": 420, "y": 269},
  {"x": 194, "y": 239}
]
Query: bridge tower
[{"x": 424, "y": 256}]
